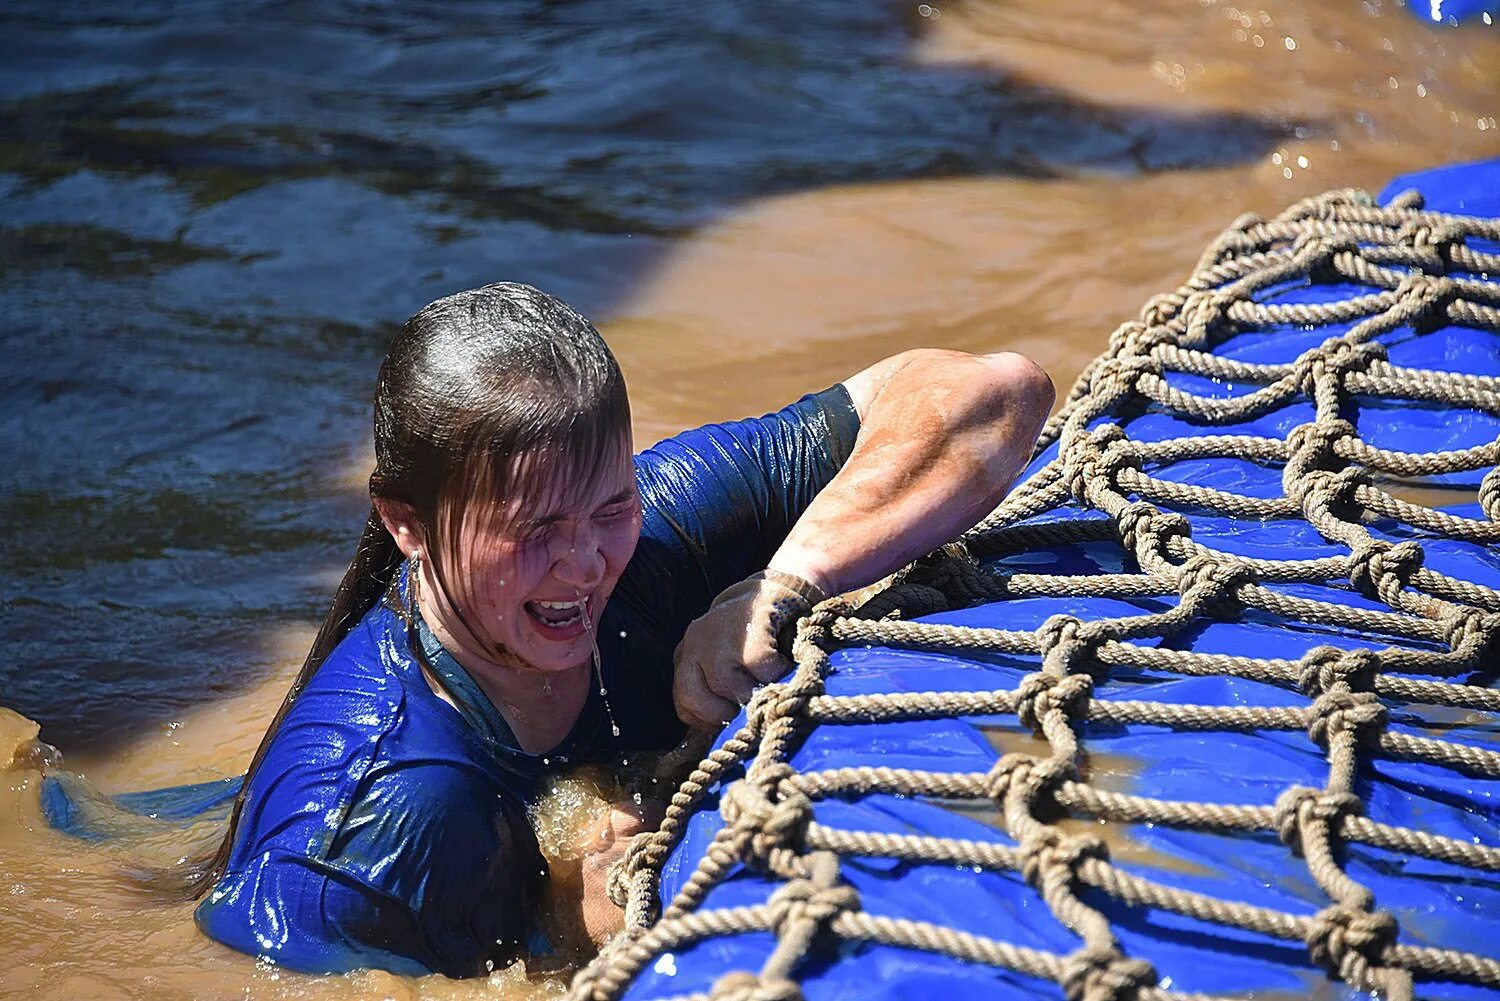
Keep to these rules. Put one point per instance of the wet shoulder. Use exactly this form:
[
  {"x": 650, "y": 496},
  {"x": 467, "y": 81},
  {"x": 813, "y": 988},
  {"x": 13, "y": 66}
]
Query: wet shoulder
[{"x": 325, "y": 747}]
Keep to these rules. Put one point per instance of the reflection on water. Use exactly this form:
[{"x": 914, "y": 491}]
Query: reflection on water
[{"x": 215, "y": 213}]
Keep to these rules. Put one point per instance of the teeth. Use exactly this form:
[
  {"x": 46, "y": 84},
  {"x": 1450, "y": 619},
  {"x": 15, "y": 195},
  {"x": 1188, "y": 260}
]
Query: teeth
[{"x": 559, "y": 604}]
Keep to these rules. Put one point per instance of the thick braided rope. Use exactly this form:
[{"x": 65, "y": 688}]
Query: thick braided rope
[{"x": 1432, "y": 624}]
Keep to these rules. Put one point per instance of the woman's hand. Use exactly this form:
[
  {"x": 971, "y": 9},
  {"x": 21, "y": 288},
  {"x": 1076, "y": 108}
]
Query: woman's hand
[
  {"x": 738, "y": 644},
  {"x": 601, "y": 918}
]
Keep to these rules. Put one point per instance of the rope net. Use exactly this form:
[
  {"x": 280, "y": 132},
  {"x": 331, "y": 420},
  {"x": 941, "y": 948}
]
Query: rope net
[{"x": 1438, "y": 629}]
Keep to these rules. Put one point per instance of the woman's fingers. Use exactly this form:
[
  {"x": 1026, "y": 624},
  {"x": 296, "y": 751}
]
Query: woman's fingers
[
  {"x": 731, "y": 650},
  {"x": 697, "y": 704}
]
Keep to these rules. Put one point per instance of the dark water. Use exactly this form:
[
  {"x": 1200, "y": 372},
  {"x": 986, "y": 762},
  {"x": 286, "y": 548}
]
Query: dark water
[{"x": 215, "y": 212}]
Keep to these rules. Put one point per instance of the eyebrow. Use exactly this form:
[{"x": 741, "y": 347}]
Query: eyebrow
[{"x": 550, "y": 519}]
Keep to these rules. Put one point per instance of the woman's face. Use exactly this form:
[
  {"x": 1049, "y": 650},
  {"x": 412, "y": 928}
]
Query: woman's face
[{"x": 536, "y": 586}]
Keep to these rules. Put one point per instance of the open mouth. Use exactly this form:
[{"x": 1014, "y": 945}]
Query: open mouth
[{"x": 560, "y": 619}]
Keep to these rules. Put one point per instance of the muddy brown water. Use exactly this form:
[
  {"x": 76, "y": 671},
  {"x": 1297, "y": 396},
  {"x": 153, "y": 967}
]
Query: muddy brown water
[{"x": 744, "y": 295}]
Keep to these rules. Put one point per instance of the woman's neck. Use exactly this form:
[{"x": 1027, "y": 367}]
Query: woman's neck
[{"x": 540, "y": 708}]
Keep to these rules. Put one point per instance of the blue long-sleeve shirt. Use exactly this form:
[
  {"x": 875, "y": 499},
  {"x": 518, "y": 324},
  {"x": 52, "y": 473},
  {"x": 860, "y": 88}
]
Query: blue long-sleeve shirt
[{"x": 385, "y": 829}]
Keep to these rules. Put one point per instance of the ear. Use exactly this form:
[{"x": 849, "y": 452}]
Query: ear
[{"x": 401, "y": 521}]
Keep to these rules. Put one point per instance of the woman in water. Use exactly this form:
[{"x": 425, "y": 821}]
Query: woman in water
[{"x": 527, "y": 597}]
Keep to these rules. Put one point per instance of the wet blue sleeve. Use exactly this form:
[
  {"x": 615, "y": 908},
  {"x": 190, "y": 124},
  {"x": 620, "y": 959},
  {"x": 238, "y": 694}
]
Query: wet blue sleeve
[{"x": 718, "y": 500}]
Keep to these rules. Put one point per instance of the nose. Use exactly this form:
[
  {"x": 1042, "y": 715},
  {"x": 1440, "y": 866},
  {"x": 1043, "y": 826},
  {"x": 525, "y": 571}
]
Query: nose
[{"x": 580, "y": 563}]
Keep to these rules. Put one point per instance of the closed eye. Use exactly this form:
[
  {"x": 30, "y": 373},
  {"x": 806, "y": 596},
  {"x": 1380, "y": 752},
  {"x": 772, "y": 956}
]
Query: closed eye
[{"x": 615, "y": 513}]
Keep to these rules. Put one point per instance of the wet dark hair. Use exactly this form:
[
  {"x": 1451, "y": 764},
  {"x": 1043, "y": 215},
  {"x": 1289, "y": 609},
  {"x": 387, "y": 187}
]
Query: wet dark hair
[{"x": 494, "y": 398}]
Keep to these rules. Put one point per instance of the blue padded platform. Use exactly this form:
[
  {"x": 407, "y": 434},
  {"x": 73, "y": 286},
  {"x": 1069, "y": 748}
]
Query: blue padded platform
[{"x": 1438, "y": 904}]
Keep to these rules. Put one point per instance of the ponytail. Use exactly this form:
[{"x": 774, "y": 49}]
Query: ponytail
[{"x": 370, "y": 574}]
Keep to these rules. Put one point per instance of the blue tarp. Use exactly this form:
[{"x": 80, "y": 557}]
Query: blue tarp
[
  {"x": 1453, "y": 12},
  {"x": 1437, "y": 904}
]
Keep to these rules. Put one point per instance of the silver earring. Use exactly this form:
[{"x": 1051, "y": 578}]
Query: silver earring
[{"x": 414, "y": 584}]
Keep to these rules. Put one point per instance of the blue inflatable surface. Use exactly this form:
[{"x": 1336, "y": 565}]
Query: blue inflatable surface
[
  {"x": 1438, "y": 904},
  {"x": 1454, "y": 11}
]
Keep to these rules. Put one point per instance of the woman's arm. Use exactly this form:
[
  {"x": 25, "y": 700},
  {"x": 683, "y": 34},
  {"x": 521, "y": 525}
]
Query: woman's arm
[{"x": 942, "y": 437}]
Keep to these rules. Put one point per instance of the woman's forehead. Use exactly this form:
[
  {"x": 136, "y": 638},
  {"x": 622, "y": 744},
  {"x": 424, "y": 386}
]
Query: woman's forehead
[{"x": 548, "y": 488}]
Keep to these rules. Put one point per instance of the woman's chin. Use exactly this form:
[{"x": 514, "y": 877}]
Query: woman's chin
[{"x": 557, "y": 657}]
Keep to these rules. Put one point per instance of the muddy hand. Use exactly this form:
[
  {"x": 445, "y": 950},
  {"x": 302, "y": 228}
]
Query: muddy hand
[
  {"x": 601, "y": 918},
  {"x": 741, "y": 642}
]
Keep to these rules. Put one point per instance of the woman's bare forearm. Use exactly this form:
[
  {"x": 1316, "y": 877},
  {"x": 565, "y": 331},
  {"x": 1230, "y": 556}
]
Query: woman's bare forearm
[{"x": 943, "y": 435}]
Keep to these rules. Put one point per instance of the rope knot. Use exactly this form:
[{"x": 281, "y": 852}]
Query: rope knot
[
  {"x": 1318, "y": 250},
  {"x": 1209, "y": 584},
  {"x": 1117, "y": 451},
  {"x": 961, "y": 581},
  {"x": 906, "y": 600},
  {"x": 1088, "y": 461},
  {"x": 1427, "y": 231},
  {"x": 1334, "y": 358},
  {"x": 1489, "y": 494},
  {"x": 1233, "y": 242},
  {"x": 1142, "y": 524},
  {"x": 1299, "y": 804},
  {"x": 1470, "y": 632},
  {"x": 1324, "y": 667},
  {"x": 1381, "y": 570},
  {"x": 743, "y": 985},
  {"x": 771, "y": 702},
  {"x": 818, "y": 898},
  {"x": 1051, "y": 857},
  {"x": 1328, "y": 206},
  {"x": 1202, "y": 313},
  {"x": 1341, "y": 711},
  {"x": 1428, "y": 294},
  {"x": 761, "y": 823},
  {"x": 1068, "y": 645},
  {"x": 1041, "y": 693},
  {"x": 1123, "y": 337},
  {"x": 1319, "y": 491},
  {"x": 1159, "y": 309},
  {"x": 1116, "y": 376},
  {"x": 1029, "y": 775},
  {"x": 1348, "y": 942},
  {"x": 1314, "y": 445},
  {"x": 824, "y": 614},
  {"x": 1092, "y": 974}
]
